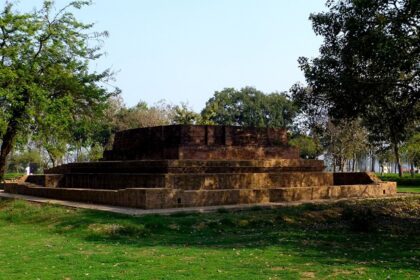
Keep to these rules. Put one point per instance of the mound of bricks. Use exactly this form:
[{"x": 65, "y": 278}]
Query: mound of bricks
[{"x": 186, "y": 166}]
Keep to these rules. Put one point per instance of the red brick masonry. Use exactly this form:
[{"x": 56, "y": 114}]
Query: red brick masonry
[
  {"x": 201, "y": 142},
  {"x": 182, "y": 166}
]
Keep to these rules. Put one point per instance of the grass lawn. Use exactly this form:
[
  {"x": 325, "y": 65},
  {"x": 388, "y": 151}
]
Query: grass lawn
[
  {"x": 9, "y": 176},
  {"x": 372, "y": 239},
  {"x": 410, "y": 189}
]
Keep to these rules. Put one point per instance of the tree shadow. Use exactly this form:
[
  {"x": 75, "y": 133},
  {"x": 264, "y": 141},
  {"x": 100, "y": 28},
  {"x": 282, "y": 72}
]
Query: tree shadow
[{"x": 383, "y": 234}]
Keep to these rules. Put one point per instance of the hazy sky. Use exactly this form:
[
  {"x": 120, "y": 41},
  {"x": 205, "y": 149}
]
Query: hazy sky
[{"x": 184, "y": 50}]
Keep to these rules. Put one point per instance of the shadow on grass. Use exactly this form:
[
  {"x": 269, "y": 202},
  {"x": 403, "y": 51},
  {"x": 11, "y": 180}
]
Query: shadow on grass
[{"x": 383, "y": 233}]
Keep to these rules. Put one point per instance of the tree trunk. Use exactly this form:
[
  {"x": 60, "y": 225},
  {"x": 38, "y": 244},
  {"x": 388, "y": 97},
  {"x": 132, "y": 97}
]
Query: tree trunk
[
  {"x": 412, "y": 169},
  {"x": 372, "y": 168},
  {"x": 12, "y": 130},
  {"x": 338, "y": 162},
  {"x": 7, "y": 145},
  {"x": 53, "y": 160},
  {"x": 397, "y": 159}
]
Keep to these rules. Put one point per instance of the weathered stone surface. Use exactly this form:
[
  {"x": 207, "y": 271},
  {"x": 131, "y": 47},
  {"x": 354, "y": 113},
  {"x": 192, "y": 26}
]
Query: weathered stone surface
[
  {"x": 189, "y": 166},
  {"x": 187, "y": 181},
  {"x": 157, "y": 198},
  {"x": 329, "y": 192},
  {"x": 201, "y": 142},
  {"x": 185, "y": 166},
  {"x": 49, "y": 181}
]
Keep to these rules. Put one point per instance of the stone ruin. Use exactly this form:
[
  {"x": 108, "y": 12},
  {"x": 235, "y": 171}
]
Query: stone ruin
[{"x": 187, "y": 165}]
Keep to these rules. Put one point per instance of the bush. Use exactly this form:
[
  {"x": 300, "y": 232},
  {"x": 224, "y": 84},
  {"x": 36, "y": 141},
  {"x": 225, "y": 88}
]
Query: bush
[{"x": 406, "y": 180}]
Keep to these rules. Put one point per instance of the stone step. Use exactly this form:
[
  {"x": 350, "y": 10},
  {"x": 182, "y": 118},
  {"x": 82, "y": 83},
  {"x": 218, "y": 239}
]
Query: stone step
[
  {"x": 205, "y": 153},
  {"x": 336, "y": 191},
  {"x": 189, "y": 166},
  {"x": 198, "y": 170},
  {"x": 184, "y": 181},
  {"x": 171, "y": 198}
]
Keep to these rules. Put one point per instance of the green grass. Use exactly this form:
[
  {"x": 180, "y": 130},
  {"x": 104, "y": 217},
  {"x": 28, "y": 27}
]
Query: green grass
[
  {"x": 9, "y": 176},
  {"x": 372, "y": 239},
  {"x": 407, "y": 183},
  {"x": 409, "y": 189}
]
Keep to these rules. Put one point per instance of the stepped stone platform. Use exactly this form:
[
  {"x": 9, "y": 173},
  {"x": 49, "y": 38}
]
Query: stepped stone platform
[{"x": 192, "y": 166}]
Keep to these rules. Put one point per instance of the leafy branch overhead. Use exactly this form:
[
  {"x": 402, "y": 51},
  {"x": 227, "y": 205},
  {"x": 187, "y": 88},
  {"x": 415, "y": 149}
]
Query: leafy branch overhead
[
  {"x": 45, "y": 82},
  {"x": 368, "y": 66}
]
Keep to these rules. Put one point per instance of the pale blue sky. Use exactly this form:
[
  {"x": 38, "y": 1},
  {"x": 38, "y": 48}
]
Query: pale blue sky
[{"x": 184, "y": 50}]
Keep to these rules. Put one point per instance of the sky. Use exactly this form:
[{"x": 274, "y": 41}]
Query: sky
[{"x": 185, "y": 50}]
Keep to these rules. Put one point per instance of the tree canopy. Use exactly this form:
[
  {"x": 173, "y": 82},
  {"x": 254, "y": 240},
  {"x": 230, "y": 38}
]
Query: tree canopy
[
  {"x": 368, "y": 66},
  {"x": 249, "y": 107},
  {"x": 46, "y": 86}
]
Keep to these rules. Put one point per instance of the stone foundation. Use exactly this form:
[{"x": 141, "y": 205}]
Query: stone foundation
[
  {"x": 186, "y": 166},
  {"x": 201, "y": 142},
  {"x": 153, "y": 198}
]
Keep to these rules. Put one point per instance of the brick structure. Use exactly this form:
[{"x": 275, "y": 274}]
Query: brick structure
[
  {"x": 184, "y": 166},
  {"x": 201, "y": 142}
]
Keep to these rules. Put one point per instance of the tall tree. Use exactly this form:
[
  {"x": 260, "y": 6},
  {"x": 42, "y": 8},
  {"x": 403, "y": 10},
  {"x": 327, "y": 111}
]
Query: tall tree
[
  {"x": 411, "y": 151},
  {"x": 345, "y": 141},
  {"x": 249, "y": 107},
  {"x": 307, "y": 146},
  {"x": 45, "y": 80},
  {"x": 183, "y": 114},
  {"x": 368, "y": 65},
  {"x": 143, "y": 115}
]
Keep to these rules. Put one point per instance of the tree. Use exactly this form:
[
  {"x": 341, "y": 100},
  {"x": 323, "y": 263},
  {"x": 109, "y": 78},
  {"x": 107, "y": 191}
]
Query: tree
[
  {"x": 19, "y": 161},
  {"x": 345, "y": 141},
  {"x": 368, "y": 66},
  {"x": 411, "y": 150},
  {"x": 185, "y": 115},
  {"x": 45, "y": 82},
  {"x": 385, "y": 157},
  {"x": 307, "y": 146},
  {"x": 143, "y": 115},
  {"x": 249, "y": 107}
]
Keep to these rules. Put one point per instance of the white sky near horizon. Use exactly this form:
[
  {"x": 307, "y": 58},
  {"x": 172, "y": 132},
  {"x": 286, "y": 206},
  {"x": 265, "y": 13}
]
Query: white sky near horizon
[{"x": 185, "y": 50}]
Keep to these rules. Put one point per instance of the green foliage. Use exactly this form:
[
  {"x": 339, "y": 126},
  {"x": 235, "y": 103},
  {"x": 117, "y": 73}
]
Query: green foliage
[
  {"x": 95, "y": 152},
  {"x": 384, "y": 155},
  {"x": 406, "y": 180},
  {"x": 249, "y": 107},
  {"x": 19, "y": 161},
  {"x": 307, "y": 146},
  {"x": 411, "y": 149},
  {"x": 185, "y": 115},
  {"x": 142, "y": 115},
  {"x": 368, "y": 66},
  {"x": 345, "y": 140},
  {"x": 27, "y": 156},
  {"x": 406, "y": 183},
  {"x": 46, "y": 87}
]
